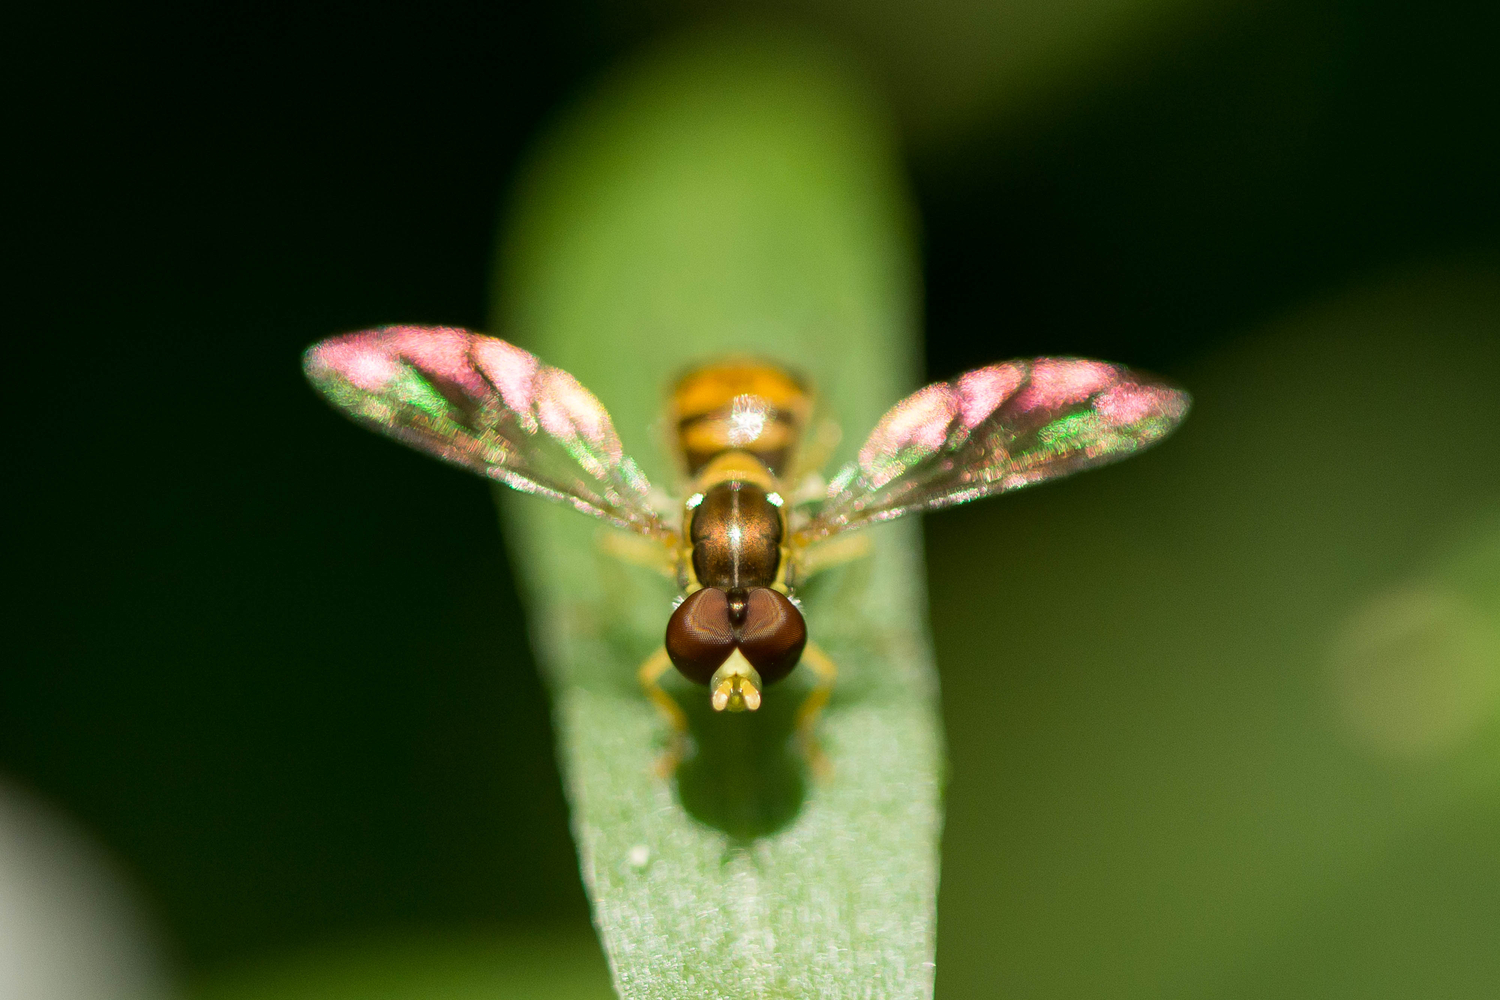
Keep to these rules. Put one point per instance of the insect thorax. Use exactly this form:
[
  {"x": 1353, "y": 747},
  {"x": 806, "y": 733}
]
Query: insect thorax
[{"x": 736, "y": 534}]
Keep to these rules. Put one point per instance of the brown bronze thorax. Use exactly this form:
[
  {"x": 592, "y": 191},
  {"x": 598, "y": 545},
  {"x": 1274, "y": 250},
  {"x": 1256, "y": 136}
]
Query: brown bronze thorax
[{"x": 736, "y": 537}]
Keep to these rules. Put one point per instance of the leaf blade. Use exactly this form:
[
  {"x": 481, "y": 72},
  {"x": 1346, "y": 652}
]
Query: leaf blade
[{"x": 733, "y": 196}]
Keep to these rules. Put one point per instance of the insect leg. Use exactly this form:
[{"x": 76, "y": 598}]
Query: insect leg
[
  {"x": 638, "y": 550},
  {"x": 832, "y": 552},
  {"x": 815, "y": 452},
  {"x": 825, "y": 674},
  {"x": 650, "y": 675}
]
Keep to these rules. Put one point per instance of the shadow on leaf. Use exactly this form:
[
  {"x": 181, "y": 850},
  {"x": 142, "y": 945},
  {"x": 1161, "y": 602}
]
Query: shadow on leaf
[{"x": 746, "y": 776}]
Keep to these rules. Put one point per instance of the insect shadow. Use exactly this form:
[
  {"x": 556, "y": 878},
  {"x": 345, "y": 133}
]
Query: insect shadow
[
  {"x": 745, "y": 774},
  {"x": 750, "y": 772},
  {"x": 742, "y": 773}
]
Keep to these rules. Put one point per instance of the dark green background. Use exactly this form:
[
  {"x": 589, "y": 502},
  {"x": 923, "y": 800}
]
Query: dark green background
[{"x": 277, "y": 665}]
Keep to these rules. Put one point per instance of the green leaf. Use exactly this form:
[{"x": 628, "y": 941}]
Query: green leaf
[
  {"x": 541, "y": 964},
  {"x": 732, "y": 196}
]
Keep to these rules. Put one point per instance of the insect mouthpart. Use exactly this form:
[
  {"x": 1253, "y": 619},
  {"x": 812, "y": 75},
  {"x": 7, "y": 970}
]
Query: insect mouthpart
[{"x": 735, "y": 685}]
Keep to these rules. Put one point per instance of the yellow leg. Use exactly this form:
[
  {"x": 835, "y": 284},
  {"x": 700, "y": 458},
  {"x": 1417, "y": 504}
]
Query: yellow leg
[
  {"x": 825, "y": 674},
  {"x": 638, "y": 550},
  {"x": 836, "y": 551},
  {"x": 815, "y": 452},
  {"x": 650, "y": 676}
]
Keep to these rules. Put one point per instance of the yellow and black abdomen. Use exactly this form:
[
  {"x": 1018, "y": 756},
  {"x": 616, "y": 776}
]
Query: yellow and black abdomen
[{"x": 745, "y": 406}]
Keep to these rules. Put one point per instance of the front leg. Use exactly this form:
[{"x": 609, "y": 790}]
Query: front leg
[
  {"x": 650, "y": 675},
  {"x": 825, "y": 675}
]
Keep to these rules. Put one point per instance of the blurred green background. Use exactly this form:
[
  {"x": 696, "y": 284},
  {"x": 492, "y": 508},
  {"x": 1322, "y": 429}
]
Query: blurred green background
[{"x": 1232, "y": 721}]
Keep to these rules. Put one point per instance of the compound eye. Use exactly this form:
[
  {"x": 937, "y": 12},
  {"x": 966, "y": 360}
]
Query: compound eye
[
  {"x": 773, "y": 634},
  {"x": 699, "y": 636}
]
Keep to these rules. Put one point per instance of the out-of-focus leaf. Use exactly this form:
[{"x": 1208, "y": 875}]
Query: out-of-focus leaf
[
  {"x": 953, "y": 66},
  {"x": 562, "y": 965},
  {"x": 732, "y": 196},
  {"x": 70, "y": 926},
  {"x": 1243, "y": 736}
]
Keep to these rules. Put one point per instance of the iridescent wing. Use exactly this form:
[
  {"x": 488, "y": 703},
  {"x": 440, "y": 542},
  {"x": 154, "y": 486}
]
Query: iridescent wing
[
  {"x": 490, "y": 407},
  {"x": 995, "y": 429}
]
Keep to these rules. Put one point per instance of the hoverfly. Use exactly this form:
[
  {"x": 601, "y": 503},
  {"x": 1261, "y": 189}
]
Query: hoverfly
[{"x": 753, "y": 520}]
